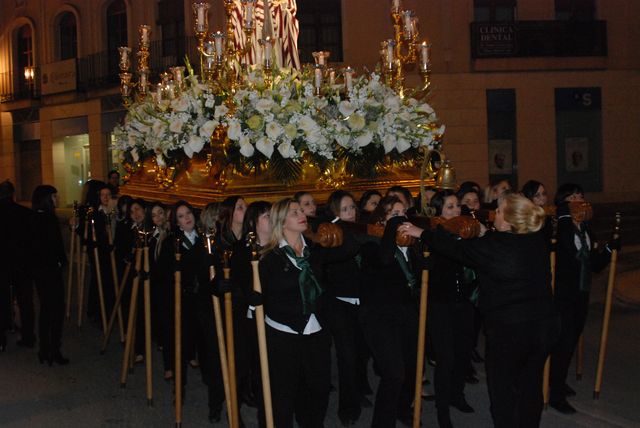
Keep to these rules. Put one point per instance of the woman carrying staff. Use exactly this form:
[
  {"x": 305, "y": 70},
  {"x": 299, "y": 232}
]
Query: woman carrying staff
[
  {"x": 49, "y": 256},
  {"x": 197, "y": 309},
  {"x": 231, "y": 216},
  {"x": 161, "y": 254},
  {"x": 515, "y": 298},
  {"x": 298, "y": 343},
  {"x": 389, "y": 314},
  {"x": 577, "y": 257},
  {"x": 450, "y": 320}
]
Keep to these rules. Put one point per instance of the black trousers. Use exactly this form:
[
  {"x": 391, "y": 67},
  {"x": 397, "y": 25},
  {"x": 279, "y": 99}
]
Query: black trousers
[
  {"x": 392, "y": 339},
  {"x": 514, "y": 361},
  {"x": 5, "y": 305},
  {"x": 300, "y": 372},
  {"x": 450, "y": 325},
  {"x": 51, "y": 320},
  {"x": 24, "y": 294},
  {"x": 573, "y": 316},
  {"x": 351, "y": 354}
]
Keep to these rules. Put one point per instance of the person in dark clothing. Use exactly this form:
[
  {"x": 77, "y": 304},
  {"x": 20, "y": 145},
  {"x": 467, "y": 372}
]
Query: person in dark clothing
[
  {"x": 342, "y": 282},
  {"x": 298, "y": 342},
  {"x": 197, "y": 307},
  {"x": 450, "y": 320},
  {"x": 47, "y": 248},
  {"x": 577, "y": 257},
  {"x": 14, "y": 220},
  {"x": 516, "y": 301},
  {"x": 389, "y": 314}
]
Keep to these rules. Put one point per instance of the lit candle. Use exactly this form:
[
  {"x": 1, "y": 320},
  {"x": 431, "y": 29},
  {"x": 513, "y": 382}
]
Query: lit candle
[
  {"x": 178, "y": 75},
  {"x": 318, "y": 76},
  {"x": 424, "y": 55},
  {"x": 332, "y": 77},
  {"x": 268, "y": 47},
  {"x": 414, "y": 25},
  {"x": 390, "y": 45},
  {"x": 396, "y": 5},
  {"x": 142, "y": 82},
  {"x": 348, "y": 78},
  {"x": 218, "y": 39},
  {"x": 209, "y": 50},
  {"x": 159, "y": 90},
  {"x": 407, "y": 23}
]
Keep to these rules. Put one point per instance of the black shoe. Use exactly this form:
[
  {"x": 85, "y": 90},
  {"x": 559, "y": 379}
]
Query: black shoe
[
  {"x": 59, "y": 359},
  {"x": 476, "y": 357},
  {"x": 3, "y": 342},
  {"x": 462, "y": 405},
  {"x": 563, "y": 407},
  {"x": 214, "y": 414},
  {"x": 25, "y": 343},
  {"x": 365, "y": 402},
  {"x": 568, "y": 391},
  {"x": 407, "y": 419},
  {"x": 347, "y": 421},
  {"x": 472, "y": 379},
  {"x": 45, "y": 356},
  {"x": 444, "y": 419},
  {"x": 250, "y": 400}
]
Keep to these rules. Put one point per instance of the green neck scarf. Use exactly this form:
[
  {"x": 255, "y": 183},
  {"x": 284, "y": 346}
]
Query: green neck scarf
[
  {"x": 406, "y": 268},
  {"x": 309, "y": 287}
]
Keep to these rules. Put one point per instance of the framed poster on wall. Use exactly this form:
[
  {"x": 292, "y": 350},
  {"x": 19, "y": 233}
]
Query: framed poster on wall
[
  {"x": 576, "y": 154},
  {"x": 500, "y": 157}
]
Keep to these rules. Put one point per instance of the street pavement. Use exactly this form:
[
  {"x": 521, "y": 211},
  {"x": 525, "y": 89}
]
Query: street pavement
[{"x": 87, "y": 392}]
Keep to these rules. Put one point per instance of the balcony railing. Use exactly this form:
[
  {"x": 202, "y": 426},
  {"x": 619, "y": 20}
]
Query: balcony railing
[
  {"x": 101, "y": 70},
  {"x": 538, "y": 38}
]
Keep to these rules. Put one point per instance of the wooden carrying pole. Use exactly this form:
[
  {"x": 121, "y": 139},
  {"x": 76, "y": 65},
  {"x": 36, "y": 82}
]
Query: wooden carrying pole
[
  {"x": 72, "y": 249},
  {"x": 114, "y": 274},
  {"x": 131, "y": 321},
  {"x": 222, "y": 348},
  {"x": 231, "y": 358},
  {"x": 580, "y": 357},
  {"x": 262, "y": 342},
  {"x": 422, "y": 329},
  {"x": 177, "y": 313},
  {"x": 147, "y": 322},
  {"x": 552, "y": 264},
  {"x": 607, "y": 310},
  {"x": 117, "y": 305},
  {"x": 83, "y": 269},
  {"x": 96, "y": 256}
]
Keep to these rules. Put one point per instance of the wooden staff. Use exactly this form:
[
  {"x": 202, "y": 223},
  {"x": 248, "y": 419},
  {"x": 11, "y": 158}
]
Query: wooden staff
[
  {"x": 96, "y": 256},
  {"x": 72, "y": 242},
  {"x": 131, "y": 321},
  {"x": 177, "y": 313},
  {"x": 262, "y": 336},
  {"x": 607, "y": 310},
  {"x": 114, "y": 274},
  {"x": 580, "y": 358},
  {"x": 117, "y": 306},
  {"x": 552, "y": 264},
  {"x": 422, "y": 329},
  {"x": 217, "y": 314},
  {"x": 231, "y": 358},
  {"x": 83, "y": 269},
  {"x": 147, "y": 320}
]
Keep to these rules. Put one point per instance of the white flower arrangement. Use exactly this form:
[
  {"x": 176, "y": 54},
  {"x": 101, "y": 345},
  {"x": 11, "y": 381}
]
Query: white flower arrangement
[{"x": 281, "y": 117}]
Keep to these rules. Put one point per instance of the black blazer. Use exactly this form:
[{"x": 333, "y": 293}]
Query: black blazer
[
  {"x": 514, "y": 272},
  {"x": 47, "y": 247}
]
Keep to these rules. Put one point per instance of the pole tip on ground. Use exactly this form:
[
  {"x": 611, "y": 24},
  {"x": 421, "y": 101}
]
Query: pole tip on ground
[
  {"x": 178, "y": 424},
  {"x": 102, "y": 352},
  {"x": 578, "y": 377},
  {"x": 546, "y": 406},
  {"x": 596, "y": 395},
  {"x": 149, "y": 402},
  {"x": 123, "y": 385},
  {"x": 131, "y": 370}
]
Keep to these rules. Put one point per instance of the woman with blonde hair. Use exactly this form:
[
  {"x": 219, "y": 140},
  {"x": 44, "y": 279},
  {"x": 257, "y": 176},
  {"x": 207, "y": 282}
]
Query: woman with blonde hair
[
  {"x": 515, "y": 299},
  {"x": 298, "y": 342}
]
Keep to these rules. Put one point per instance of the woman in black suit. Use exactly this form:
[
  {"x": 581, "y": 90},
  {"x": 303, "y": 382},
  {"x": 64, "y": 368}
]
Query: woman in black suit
[
  {"x": 515, "y": 299},
  {"x": 577, "y": 257},
  {"x": 297, "y": 340},
  {"x": 389, "y": 314},
  {"x": 49, "y": 256}
]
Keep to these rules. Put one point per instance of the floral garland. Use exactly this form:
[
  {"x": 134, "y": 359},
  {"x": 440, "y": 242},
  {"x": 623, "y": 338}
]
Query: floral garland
[{"x": 282, "y": 119}]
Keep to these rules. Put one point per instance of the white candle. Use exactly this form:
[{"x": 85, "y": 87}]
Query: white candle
[
  {"x": 396, "y": 5},
  {"x": 390, "y": 45},
  {"x": 424, "y": 55},
  {"x": 144, "y": 34},
  {"x": 248, "y": 15},
  {"x": 267, "y": 51},
  {"x": 407, "y": 23},
  {"x": 201, "y": 17},
  {"x": 348, "y": 78},
  {"x": 318, "y": 77},
  {"x": 143, "y": 82},
  {"x": 125, "y": 58},
  {"x": 209, "y": 50},
  {"x": 332, "y": 77},
  {"x": 159, "y": 89},
  {"x": 218, "y": 38}
]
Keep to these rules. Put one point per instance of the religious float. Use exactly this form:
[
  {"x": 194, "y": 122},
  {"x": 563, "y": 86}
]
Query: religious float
[{"x": 246, "y": 119}]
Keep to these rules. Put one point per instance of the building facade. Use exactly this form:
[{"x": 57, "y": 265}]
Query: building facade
[{"x": 542, "y": 89}]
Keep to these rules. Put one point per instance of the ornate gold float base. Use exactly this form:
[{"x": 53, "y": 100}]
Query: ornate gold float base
[{"x": 201, "y": 182}]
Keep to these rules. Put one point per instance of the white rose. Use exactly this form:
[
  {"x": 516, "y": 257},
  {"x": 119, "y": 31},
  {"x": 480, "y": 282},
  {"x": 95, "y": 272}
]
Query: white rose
[
  {"x": 194, "y": 145},
  {"x": 246, "y": 148},
  {"x": 180, "y": 104},
  {"x": 392, "y": 103},
  {"x": 346, "y": 108},
  {"x": 343, "y": 140},
  {"x": 264, "y": 104},
  {"x": 220, "y": 110},
  {"x": 207, "y": 128},
  {"x": 403, "y": 144},
  {"x": 176, "y": 125},
  {"x": 364, "y": 139},
  {"x": 265, "y": 146},
  {"x": 234, "y": 130},
  {"x": 158, "y": 128},
  {"x": 307, "y": 124},
  {"x": 274, "y": 130}
]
